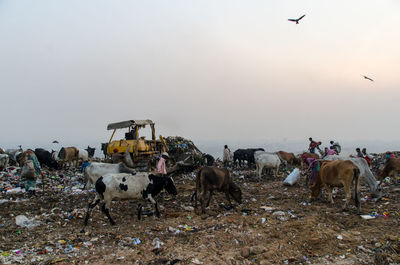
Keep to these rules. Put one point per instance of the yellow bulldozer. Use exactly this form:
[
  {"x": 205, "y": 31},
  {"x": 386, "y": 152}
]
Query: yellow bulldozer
[{"x": 141, "y": 149}]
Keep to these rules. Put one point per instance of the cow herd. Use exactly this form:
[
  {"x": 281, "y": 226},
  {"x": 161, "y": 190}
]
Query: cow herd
[{"x": 121, "y": 182}]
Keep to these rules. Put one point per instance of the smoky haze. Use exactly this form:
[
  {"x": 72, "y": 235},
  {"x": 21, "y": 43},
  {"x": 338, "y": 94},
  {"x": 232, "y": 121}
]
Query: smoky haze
[{"x": 211, "y": 71}]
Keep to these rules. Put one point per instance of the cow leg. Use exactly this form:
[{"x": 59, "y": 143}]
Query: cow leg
[
  {"x": 277, "y": 171},
  {"x": 228, "y": 198},
  {"x": 139, "y": 214},
  {"x": 89, "y": 210},
  {"x": 347, "y": 191},
  {"x": 105, "y": 210},
  {"x": 329, "y": 191},
  {"x": 202, "y": 201},
  {"x": 155, "y": 205},
  {"x": 209, "y": 198}
]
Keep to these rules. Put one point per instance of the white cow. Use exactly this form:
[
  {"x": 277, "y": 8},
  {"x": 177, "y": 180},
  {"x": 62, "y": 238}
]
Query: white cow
[
  {"x": 96, "y": 169},
  {"x": 13, "y": 153},
  {"x": 267, "y": 160},
  {"x": 83, "y": 154},
  {"x": 3, "y": 161},
  {"x": 123, "y": 186},
  {"x": 365, "y": 171}
]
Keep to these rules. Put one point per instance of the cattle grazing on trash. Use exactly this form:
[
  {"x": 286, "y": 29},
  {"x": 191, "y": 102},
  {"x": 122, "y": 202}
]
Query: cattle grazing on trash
[
  {"x": 24, "y": 156},
  {"x": 208, "y": 160},
  {"x": 83, "y": 155},
  {"x": 392, "y": 166},
  {"x": 266, "y": 160},
  {"x": 13, "y": 154},
  {"x": 337, "y": 173},
  {"x": 365, "y": 172},
  {"x": 3, "y": 161},
  {"x": 90, "y": 151},
  {"x": 289, "y": 158},
  {"x": 125, "y": 186},
  {"x": 45, "y": 158},
  {"x": 96, "y": 169},
  {"x": 242, "y": 155},
  {"x": 210, "y": 179},
  {"x": 69, "y": 156}
]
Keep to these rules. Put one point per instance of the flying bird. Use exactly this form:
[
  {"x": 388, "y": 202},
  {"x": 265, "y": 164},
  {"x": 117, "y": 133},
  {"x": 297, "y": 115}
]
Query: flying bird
[
  {"x": 366, "y": 77},
  {"x": 296, "y": 20},
  {"x": 55, "y": 142}
]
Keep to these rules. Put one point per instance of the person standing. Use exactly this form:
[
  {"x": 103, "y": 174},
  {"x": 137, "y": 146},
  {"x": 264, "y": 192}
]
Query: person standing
[
  {"x": 161, "y": 167},
  {"x": 336, "y": 146},
  {"x": 367, "y": 157},
  {"x": 227, "y": 157},
  {"x": 312, "y": 146}
]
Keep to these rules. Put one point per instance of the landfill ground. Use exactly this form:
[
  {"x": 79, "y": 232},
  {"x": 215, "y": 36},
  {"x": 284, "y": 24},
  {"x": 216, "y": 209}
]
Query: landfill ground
[{"x": 275, "y": 224}]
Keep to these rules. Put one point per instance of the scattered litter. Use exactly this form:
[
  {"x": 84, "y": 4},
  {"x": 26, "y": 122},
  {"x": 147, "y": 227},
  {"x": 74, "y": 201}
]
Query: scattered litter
[
  {"x": 293, "y": 177},
  {"x": 340, "y": 237},
  {"x": 367, "y": 217},
  {"x": 23, "y": 221}
]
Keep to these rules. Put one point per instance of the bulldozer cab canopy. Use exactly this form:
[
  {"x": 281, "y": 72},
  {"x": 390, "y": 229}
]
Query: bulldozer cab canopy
[{"x": 129, "y": 123}]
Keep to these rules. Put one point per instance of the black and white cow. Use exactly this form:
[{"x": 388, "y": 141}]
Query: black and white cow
[
  {"x": 124, "y": 186},
  {"x": 90, "y": 151},
  {"x": 45, "y": 158},
  {"x": 96, "y": 169}
]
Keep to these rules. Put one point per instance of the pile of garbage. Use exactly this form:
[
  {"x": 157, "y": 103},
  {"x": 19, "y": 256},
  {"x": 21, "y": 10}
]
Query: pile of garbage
[{"x": 184, "y": 152}]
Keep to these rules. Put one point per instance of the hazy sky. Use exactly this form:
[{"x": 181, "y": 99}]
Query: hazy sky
[{"x": 205, "y": 70}]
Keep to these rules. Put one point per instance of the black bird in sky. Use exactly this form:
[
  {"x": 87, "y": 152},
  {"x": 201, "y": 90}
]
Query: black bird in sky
[
  {"x": 366, "y": 77},
  {"x": 55, "y": 142},
  {"x": 296, "y": 20}
]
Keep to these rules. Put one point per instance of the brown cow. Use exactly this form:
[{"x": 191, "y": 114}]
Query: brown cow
[
  {"x": 290, "y": 158},
  {"x": 68, "y": 156},
  {"x": 210, "y": 179},
  {"x": 337, "y": 173},
  {"x": 24, "y": 156},
  {"x": 392, "y": 166}
]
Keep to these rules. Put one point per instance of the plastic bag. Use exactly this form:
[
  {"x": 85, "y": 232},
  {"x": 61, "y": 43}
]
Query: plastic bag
[
  {"x": 23, "y": 221},
  {"x": 293, "y": 177}
]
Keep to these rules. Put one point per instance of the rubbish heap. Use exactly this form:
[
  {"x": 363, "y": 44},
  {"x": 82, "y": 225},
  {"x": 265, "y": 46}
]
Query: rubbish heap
[{"x": 184, "y": 152}]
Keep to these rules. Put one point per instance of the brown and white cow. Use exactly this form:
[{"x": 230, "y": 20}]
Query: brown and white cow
[
  {"x": 338, "y": 173},
  {"x": 69, "y": 156},
  {"x": 392, "y": 166},
  {"x": 210, "y": 179},
  {"x": 290, "y": 158}
]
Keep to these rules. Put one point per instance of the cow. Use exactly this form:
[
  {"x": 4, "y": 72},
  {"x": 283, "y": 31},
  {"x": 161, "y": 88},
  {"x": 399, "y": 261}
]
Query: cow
[
  {"x": 12, "y": 155},
  {"x": 210, "y": 179},
  {"x": 83, "y": 155},
  {"x": 69, "y": 156},
  {"x": 104, "y": 149},
  {"x": 54, "y": 155},
  {"x": 336, "y": 173},
  {"x": 392, "y": 166},
  {"x": 90, "y": 151},
  {"x": 125, "y": 186},
  {"x": 266, "y": 160},
  {"x": 1, "y": 151},
  {"x": 242, "y": 155},
  {"x": 365, "y": 172},
  {"x": 46, "y": 159},
  {"x": 3, "y": 161},
  {"x": 208, "y": 160},
  {"x": 289, "y": 158},
  {"x": 96, "y": 169}
]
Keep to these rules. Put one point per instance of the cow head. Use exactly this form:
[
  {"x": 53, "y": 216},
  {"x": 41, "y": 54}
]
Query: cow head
[
  {"x": 170, "y": 186},
  {"x": 61, "y": 154},
  {"x": 235, "y": 192},
  {"x": 90, "y": 151}
]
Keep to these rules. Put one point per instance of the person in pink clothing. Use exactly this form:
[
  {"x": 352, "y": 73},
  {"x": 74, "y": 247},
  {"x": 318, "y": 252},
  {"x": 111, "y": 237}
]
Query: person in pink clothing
[
  {"x": 331, "y": 152},
  {"x": 161, "y": 167}
]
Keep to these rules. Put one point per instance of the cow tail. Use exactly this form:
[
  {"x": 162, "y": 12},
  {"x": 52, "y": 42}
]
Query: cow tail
[{"x": 356, "y": 193}]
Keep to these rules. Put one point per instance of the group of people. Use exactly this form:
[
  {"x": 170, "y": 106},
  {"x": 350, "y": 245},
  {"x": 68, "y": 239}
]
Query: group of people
[{"x": 334, "y": 148}]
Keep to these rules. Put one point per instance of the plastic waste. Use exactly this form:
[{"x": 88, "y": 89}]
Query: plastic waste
[
  {"x": 293, "y": 177},
  {"x": 157, "y": 243},
  {"x": 23, "y": 221},
  {"x": 136, "y": 241}
]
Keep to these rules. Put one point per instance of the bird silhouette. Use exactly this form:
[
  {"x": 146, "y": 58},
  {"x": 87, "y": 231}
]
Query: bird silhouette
[
  {"x": 296, "y": 20},
  {"x": 55, "y": 142},
  {"x": 366, "y": 77}
]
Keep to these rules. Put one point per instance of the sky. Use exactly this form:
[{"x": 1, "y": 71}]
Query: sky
[{"x": 211, "y": 71}]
